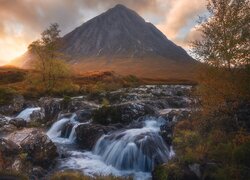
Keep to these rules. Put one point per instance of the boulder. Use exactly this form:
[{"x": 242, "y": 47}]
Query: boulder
[
  {"x": 52, "y": 107},
  {"x": 39, "y": 148},
  {"x": 15, "y": 106},
  {"x": 88, "y": 134},
  {"x": 83, "y": 115},
  {"x": 8, "y": 153},
  {"x": 124, "y": 113},
  {"x": 7, "y": 128},
  {"x": 37, "y": 115},
  {"x": 18, "y": 122}
]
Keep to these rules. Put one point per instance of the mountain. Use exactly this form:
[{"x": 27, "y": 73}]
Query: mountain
[
  {"x": 120, "y": 33},
  {"x": 120, "y": 40}
]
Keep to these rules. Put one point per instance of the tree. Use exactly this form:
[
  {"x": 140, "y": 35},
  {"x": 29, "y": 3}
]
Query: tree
[
  {"x": 224, "y": 81},
  {"x": 49, "y": 63},
  {"x": 225, "y": 34}
]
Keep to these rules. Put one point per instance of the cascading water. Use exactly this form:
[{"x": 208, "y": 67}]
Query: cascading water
[
  {"x": 134, "y": 149},
  {"x": 25, "y": 114},
  {"x": 55, "y": 132},
  {"x": 131, "y": 152}
]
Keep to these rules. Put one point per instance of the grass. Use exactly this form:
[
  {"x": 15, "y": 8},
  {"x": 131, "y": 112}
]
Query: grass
[
  {"x": 72, "y": 175},
  {"x": 92, "y": 83}
]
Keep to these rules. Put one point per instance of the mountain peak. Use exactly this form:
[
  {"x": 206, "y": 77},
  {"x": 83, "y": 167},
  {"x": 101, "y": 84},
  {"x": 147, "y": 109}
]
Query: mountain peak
[
  {"x": 120, "y": 33},
  {"x": 120, "y": 6}
]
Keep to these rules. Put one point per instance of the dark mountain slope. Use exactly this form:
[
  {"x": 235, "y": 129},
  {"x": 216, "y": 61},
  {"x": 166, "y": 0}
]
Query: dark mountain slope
[{"x": 120, "y": 33}]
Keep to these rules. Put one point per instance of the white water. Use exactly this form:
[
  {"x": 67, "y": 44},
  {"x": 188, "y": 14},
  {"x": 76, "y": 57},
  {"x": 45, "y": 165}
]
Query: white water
[
  {"x": 134, "y": 149},
  {"x": 25, "y": 114},
  {"x": 132, "y": 152}
]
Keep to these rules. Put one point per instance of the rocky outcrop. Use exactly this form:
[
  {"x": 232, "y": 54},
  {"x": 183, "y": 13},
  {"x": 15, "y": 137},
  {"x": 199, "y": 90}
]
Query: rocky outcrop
[
  {"x": 39, "y": 148},
  {"x": 51, "y": 106},
  {"x": 88, "y": 134},
  {"x": 18, "y": 122},
  {"x": 8, "y": 153},
  {"x": 15, "y": 106}
]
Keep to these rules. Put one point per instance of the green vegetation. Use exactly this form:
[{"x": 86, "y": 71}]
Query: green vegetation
[
  {"x": 217, "y": 137},
  {"x": 53, "y": 75},
  {"x": 6, "y": 95}
]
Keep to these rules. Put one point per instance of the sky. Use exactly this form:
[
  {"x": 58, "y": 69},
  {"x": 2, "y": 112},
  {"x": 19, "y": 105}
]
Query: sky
[{"x": 22, "y": 21}]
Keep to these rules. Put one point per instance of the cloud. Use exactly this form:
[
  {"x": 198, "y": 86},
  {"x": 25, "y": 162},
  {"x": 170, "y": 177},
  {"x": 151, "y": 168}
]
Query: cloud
[{"x": 179, "y": 17}]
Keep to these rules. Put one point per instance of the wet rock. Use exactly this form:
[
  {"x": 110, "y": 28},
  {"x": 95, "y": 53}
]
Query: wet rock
[
  {"x": 67, "y": 130},
  {"x": 40, "y": 149},
  {"x": 37, "y": 115},
  {"x": 88, "y": 134},
  {"x": 18, "y": 122},
  {"x": 3, "y": 121},
  {"x": 52, "y": 107},
  {"x": 84, "y": 115}
]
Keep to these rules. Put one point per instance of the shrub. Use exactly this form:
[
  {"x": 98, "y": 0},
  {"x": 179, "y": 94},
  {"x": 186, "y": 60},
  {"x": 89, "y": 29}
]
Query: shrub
[
  {"x": 6, "y": 95},
  {"x": 241, "y": 154}
]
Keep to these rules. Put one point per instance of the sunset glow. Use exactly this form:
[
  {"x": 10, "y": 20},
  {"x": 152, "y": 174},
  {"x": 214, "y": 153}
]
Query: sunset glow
[{"x": 20, "y": 24}]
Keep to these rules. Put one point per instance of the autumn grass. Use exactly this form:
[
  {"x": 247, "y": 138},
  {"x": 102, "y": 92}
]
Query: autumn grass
[{"x": 72, "y": 175}]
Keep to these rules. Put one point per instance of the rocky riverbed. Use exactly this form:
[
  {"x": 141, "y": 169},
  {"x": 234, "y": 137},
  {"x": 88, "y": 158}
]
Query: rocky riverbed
[{"x": 122, "y": 133}]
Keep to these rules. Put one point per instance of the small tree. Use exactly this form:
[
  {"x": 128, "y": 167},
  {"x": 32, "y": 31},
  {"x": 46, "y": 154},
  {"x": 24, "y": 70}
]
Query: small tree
[
  {"x": 49, "y": 63},
  {"x": 224, "y": 84},
  {"x": 225, "y": 34}
]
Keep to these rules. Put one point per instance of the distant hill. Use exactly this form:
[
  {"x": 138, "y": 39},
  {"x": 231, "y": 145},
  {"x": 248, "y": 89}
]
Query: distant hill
[{"x": 120, "y": 40}]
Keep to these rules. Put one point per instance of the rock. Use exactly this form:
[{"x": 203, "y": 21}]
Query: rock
[
  {"x": 52, "y": 107},
  {"x": 83, "y": 115},
  {"x": 37, "y": 115},
  {"x": 3, "y": 121},
  {"x": 15, "y": 106},
  {"x": 67, "y": 130},
  {"x": 196, "y": 169},
  {"x": 88, "y": 134},
  {"x": 8, "y": 152},
  {"x": 8, "y": 147},
  {"x": 8, "y": 128},
  {"x": 40, "y": 149},
  {"x": 37, "y": 172},
  {"x": 18, "y": 122},
  {"x": 17, "y": 103}
]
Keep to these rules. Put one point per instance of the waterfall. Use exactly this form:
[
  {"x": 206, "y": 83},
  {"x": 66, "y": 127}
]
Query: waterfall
[
  {"x": 25, "y": 114},
  {"x": 72, "y": 135},
  {"x": 133, "y": 149},
  {"x": 55, "y": 130}
]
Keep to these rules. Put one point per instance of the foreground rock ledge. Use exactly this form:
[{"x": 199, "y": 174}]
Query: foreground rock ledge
[{"x": 39, "y": 148}]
